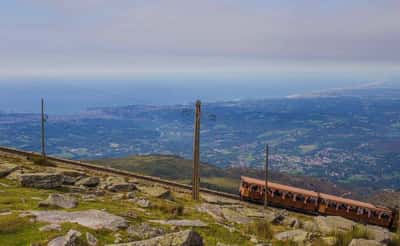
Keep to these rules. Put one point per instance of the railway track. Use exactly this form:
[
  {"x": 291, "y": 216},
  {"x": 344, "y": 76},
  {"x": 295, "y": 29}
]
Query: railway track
[{"x": 89, "y": 166}]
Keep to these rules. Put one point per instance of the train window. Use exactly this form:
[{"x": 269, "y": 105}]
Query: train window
[{"x": 300, "y": 198}]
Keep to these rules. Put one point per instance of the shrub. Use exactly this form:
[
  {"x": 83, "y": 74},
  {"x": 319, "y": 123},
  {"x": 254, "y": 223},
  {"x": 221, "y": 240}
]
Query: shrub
[
  {"x": 172, "y": 209},
  {"x": 39, "y": 160}
]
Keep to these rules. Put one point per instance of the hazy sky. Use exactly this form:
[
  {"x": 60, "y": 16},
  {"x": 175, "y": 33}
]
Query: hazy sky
[{"x": 124, "y": 37}]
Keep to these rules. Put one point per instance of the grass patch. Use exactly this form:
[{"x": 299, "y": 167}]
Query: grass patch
[
  {"x": 344, "y": 238},
  {"x": 40, "y": 161},
  {"x": 262, "y": 229}
]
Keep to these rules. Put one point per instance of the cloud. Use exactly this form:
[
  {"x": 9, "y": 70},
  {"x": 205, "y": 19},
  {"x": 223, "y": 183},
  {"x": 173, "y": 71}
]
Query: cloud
[{"x": 87, "y": 34}]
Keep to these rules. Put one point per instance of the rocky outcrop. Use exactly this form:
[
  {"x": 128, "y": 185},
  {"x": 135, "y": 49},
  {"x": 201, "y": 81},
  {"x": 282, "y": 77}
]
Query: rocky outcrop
[
  {"x": 94, "y": 219},
  {"x": 51, "y": 227},
  {"x": 144, "y": 231},
  {"x": 192, "y": 223},
  {"x": 182, "y": 238},
  {"x": 364, "y": 242},
  {"x": 218, "y": 200},
  {"x": 70, "y": 239},
  {"x": 90, "y": 239},
  {"x": 155, "y": 191},
  {"x": 41, "y": 180},
  {"x": 297, "y": 236},
  {"x": 330, "y": 224},
  {"x": 116, "y": 184},
  {"x": 59, "y": 201},
  {"x": 6, "y": 169},
  {"x": 141, "y": 202},
  {"x": 70, "y": 177},
  {"x": 380, "y": 234},
  {"x": 88, "y": 182}
]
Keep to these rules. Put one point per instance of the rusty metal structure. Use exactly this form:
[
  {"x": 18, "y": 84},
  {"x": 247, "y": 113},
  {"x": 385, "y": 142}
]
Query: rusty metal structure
[
  {"x": 196, "y": 154},
  {"x": 308, "y": 201},
  {"x": 43, "y": 120}
]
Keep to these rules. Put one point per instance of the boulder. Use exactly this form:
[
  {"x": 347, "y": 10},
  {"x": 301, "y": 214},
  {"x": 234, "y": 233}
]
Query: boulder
[
  {"x": 234, "y": 217},
  {"x": 88, "y": 182},
  {"x": 218, "y": 200},
  {"x": 380, "y": 234},
  {"x": 94, "y": 219},
  {"x": 141, "y": 202},
  {"x": 291, "y": 222},
  {"x": 192, "y": 223},
  {"x": 329, "y": 241},
  {"x": 60, "y": 201},
  {"x": 90, "y": 239},
  {"x": 6, "y": 169},
  {"x": 144, "y": 231},
  {"x": 41, "y": 180},
  {"x": 364, "y": 242},
  {"x": 51, "y": 227},
  {"x": 70, "y": 177},
  {"x": 297, "y": 236},
  {"x": 156, "y": 191},
  {"x": 214, "y": 210},
  {"x": 182, "y": 238},
  {"x": 70, "y": 239},
  {"x": 330, "y": 224},
  {"x": 118, "y": 187},
  {"x": 89, "y": 198}
]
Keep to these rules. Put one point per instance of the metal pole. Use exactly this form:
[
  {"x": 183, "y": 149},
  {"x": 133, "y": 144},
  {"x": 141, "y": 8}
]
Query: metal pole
[
  {"x": 266, "y": 176},
  {"x": 196, "y": 154},
  {"x": 43, "y": 134}
]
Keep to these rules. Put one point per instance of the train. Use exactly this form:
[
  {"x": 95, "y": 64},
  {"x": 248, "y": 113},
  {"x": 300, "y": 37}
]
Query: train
[{"x": 312, "y": 202}]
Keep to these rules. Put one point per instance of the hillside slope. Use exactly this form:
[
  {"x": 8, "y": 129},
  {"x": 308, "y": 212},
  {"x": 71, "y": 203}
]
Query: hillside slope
[{"x": 224, "y": 179}]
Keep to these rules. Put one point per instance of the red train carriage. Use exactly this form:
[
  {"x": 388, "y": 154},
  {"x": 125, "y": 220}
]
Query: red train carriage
[{"x": 308, "y": 201}]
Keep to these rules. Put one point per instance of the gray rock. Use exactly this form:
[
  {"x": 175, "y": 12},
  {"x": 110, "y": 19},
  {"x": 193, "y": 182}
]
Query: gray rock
[
  {"x": 329, "y": 224},
  {"x": 91, "y": 240},
  {"x": 364, "y": 242},
  {"x": 214, "y": 210},
  {"x": 94, "y": 219},
  {"x": 60, "y": 201},
  {"x": 131, "y": 195},
  {"x": 144, "y": 231},
  {"x": 156, "y": 191},
  {"x": 192, "y": 223},
  {"x": 88, "y": 182},
  {"x": 141, "y": 202},
  {"x": 121, "y": 187},
  {"x": 291, "y": 222},
  {"x": 297, "y": 236},
  {"x": 6, "y": 169},
  {"x": 89, "y": 198},
  {"x": 234, "y": 217},
  {"x": 51, "y": 227},
  {"x": 218, "y": 200},
  {"x": 182, "y": 238},
  {"x": 41, "y": 180},
  {"x": 68, "y": 240},
  {"x": 380, "y": 234},
  {"x": 117, "y": 197},
  {"x": 117, "y": 184}
]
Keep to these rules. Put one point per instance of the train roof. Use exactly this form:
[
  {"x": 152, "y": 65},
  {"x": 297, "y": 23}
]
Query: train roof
[
  {"x": 280, "y": 186},
  {"x": 314, "y": 194}
]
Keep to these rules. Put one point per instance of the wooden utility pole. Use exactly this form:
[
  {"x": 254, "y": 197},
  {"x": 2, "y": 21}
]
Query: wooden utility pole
[
  {"x": 196, "y": 154},
  {"x": 43, "y": 136},
  {"x": 266, "y": 176}
]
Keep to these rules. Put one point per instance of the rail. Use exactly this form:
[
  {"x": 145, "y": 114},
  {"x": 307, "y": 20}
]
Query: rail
[{"x": 94, "y": 167}]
